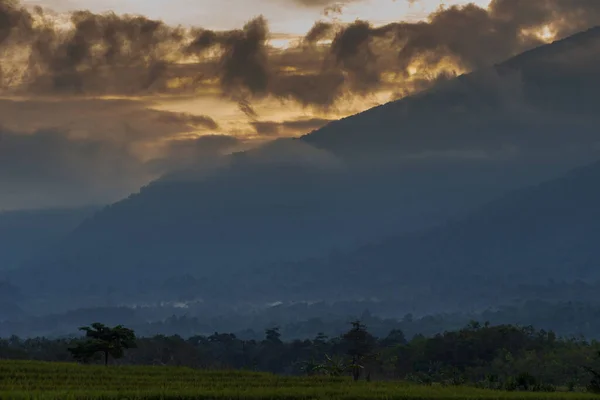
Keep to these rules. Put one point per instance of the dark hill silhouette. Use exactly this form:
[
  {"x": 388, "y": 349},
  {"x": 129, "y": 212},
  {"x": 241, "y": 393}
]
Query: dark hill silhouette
[
  {"x": 543, "y": 233},
  {"x": 25, "y": 233},
  {"x": 509, "y": 104},
  {"x": 400, "y": 167}
]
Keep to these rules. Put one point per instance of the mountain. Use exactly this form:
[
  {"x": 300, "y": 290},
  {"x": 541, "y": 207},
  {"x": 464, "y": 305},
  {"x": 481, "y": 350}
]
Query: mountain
[
  {"x": 24, "y": 234},
  {"x": 533, "y": 236},
  {"x": 525, "y": 104},
  {"x": 402, "y": 167}
]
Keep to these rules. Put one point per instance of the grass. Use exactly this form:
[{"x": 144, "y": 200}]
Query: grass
[{"x": 53, "y": 381}]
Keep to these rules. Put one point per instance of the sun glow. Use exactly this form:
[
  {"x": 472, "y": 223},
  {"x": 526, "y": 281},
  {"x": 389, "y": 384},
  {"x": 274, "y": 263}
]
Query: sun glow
[
  {"x": 544, "y": 33},
  {"x": 422, "y": 69}
]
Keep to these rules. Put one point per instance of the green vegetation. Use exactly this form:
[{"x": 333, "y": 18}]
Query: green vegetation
[
  {"x": 360, "y": 345},
  {"x": 490, "y": 360},
  {"x": 53, "y": 381},
  {"x": 102, "y": 339}
]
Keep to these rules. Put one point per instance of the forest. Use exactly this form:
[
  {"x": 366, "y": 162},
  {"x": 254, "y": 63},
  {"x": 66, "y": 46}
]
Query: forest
[{"x": 502, "y": 357}]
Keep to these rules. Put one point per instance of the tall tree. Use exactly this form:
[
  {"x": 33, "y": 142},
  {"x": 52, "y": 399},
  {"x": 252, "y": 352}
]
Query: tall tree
[
  {"x": 273, "y": 335},
  {"x": 359, "y": 345},
  {"x": 103, "y": 339}
]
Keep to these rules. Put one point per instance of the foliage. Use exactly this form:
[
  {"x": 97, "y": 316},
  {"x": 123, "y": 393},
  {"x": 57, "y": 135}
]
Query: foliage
[
  {"x": 359, "y": 344},
  {"x": 105, "y": 340},
  {"x": 333, "y": 366},
  {"x": 481, "y": 355},
  {"x": 594, "y": 385}
]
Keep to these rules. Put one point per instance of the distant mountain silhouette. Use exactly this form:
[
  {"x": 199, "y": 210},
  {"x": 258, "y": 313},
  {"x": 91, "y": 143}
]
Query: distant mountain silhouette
[
  {"x": 398, "y": 168},
  {"x": 546, "y": 232}
]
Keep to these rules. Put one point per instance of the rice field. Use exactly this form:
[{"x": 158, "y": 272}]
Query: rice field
[{"x": 53, "y": 381}]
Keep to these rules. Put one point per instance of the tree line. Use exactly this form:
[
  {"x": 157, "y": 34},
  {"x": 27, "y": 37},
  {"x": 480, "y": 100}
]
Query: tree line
[{"x": 497, "y": 357}]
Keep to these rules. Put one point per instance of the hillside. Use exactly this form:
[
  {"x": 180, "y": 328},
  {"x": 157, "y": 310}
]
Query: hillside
[
  {"x": 23, "y": 234},
  {"x": 398, "y": 168},
  {"x": 533, "y": 236},
  {"x": 524, "y": 104}
]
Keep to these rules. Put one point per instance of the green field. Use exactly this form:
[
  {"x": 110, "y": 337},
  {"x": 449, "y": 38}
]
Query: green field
[{"x": 38, "y": 380}]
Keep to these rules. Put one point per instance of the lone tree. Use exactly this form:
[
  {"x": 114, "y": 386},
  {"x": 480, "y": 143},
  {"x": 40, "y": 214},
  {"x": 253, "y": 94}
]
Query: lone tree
[
  {"x": 359, "y": 344},
  {"x": 105, "y": 340}
]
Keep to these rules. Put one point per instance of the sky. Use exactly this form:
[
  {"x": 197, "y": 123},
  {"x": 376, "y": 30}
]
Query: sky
[
  {"x": 287, "y": 19},
  {"x": 95, "y": 104},
  {"x": 284, "y": 16}
]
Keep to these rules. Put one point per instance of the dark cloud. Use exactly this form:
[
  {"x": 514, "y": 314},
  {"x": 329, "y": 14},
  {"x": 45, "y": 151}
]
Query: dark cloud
[
  {"x": 107, "y": 54},
  {"x": 267, "y": 128},
  {"x": 15, "y": 23},
  {"x": 476, "y": 37},
  {"x": 320, "y": 89},
  {"x": 194, "y": 120},
  {"x": 289, "y": 128},
  {"x": 352, "y": 51},
  {"x": 306, "y": 124},
  {"x": 455, "y": 38},
  {"x": 566, "y": 17},
  {"x": 319, "y": 31},
  {"x": 128, "y": 52},
  {"x": 243, "y": 63}
]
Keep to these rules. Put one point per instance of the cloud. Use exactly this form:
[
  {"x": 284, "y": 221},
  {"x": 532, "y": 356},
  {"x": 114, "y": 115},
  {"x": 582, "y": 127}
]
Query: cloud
[
  {"x": 291, "y": 151},
  {"x": 108, "y": 54},
  {"x": 288, "y": 128},
  {"x": 193, "y": 153},
  {"x": 267, "y": 128},
  {"x": 72, "y": 152},
  {"x": 46, "y": 168},
  {"x": 119, "y": 120},
  {"x": 319, "y": 31},
  {"x": 194, "y": 120}
]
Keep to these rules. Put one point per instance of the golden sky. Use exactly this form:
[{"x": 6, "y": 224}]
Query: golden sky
[{"x": 284, "y": 17}]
